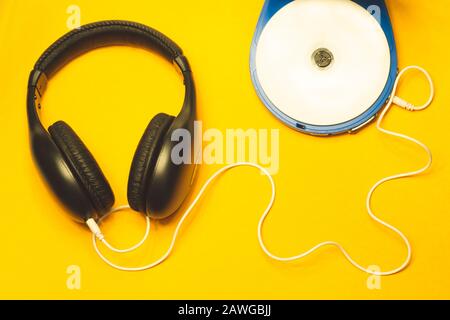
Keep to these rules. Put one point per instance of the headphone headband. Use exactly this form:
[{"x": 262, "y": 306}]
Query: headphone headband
[{"x": 104, "y": 33}]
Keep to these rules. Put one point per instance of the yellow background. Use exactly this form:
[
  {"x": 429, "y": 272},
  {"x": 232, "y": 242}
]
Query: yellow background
[{"x": 109, "y": 96}]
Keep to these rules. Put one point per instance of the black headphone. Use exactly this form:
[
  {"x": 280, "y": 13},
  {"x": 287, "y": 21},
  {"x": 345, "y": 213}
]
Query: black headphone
[{"x": 156, "y": 186}]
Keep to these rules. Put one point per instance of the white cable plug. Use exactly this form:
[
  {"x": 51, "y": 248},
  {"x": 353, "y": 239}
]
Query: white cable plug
[
  {"x": 97, "y": 234},
  {"x": 405, "y": 104}
]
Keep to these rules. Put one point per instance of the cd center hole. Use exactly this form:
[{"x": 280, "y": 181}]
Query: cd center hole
[{"x": 322, "y": 57}]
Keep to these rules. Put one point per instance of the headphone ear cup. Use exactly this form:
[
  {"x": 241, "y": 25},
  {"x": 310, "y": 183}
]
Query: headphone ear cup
[
  {"x": 144, "y": 160},
  {"x": 83, "y": 165}
]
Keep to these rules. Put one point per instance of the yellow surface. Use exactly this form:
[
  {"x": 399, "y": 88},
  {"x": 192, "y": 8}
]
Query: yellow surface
[{"x": 109, "y": 96}]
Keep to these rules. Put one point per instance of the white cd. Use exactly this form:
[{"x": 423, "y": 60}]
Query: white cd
[{"x": 323, "y": 62}]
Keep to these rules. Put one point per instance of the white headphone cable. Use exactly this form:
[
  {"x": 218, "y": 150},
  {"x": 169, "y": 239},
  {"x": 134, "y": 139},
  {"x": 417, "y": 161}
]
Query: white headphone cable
[
  {"x": 96, "y": 233},
  {"x": 400, "y": 102}
]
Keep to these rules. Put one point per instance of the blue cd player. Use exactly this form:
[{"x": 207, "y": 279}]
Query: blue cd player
[{"x": 378, "y": 10}]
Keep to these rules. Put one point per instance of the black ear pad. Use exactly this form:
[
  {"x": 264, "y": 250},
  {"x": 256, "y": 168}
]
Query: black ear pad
[
  {"x": 83, "y": 166},
  {"x": 145, "y": 159}
]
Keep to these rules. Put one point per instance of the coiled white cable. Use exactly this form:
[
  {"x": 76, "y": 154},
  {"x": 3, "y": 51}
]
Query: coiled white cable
[{"x": 96, "y": 233}]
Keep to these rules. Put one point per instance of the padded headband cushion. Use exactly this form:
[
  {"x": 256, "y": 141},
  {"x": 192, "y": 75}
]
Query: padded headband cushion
[
  {"x": 83, "y": 166},
  {"x": 104, "y": 33},
  {"x": 145, "y": 159}
]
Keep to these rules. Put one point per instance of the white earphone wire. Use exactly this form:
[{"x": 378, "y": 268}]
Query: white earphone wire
[{"x": 96, "y": 233}]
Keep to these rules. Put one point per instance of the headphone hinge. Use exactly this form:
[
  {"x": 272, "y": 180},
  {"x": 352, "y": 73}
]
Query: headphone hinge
[
  {"x": 38, "y": 83},
  {"x": 181, "y": 64}
]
